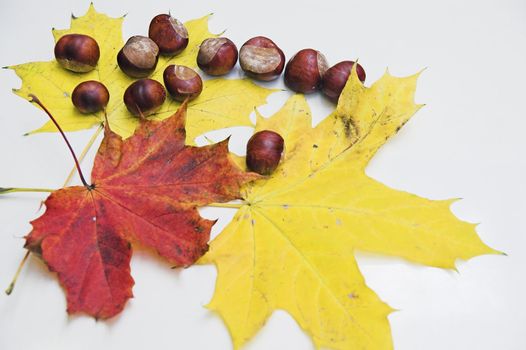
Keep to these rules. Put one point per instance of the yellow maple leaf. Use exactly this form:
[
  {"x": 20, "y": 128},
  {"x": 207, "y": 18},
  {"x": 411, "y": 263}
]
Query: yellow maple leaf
[
  {"x": 223, "y": 103},
  {"x": 291, "y": 245}
]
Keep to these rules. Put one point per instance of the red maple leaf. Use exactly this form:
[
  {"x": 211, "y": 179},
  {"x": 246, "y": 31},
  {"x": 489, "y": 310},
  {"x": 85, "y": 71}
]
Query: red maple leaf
[{"x": 146, "y": 190}]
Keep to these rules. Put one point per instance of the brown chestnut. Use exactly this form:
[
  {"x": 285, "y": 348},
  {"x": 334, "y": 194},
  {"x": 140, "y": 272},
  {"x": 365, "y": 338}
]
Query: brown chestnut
[
  {"x": 264, "y": 151},
  {"x": 144, "y": 97},
  {"x": 169, "y": 34},
  {"x": 217, "y": 56},
  {"x": 182, "y": 82},
  {"x": 138, "y": 57},
  {"x": 336, "y": 77},
  {"x": 305, "y": 71},
  {"x": 77, "y": 52},
  {"x": 261, "y": 59},
  {"x": 90, "y": 97}
]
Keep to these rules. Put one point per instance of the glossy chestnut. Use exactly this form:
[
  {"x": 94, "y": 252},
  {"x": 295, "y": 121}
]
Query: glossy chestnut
[
  {"x": 138, "y": 57},
  {"x": 217, "y": 56},
  {"x": 90, "y": 97},
  {"x": 144, "y": 97},
  {"x": 169, "y": 34},
  {"x": 182, "y": 82},
  {"x": 264, "y": 150},
  {"x": 77, "y": 52},
  {"x": 305, "y": 70}
]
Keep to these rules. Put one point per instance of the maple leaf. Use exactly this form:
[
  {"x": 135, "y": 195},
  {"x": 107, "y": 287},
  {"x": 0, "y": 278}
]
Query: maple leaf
[
  {"x": 223, "y": 103},
  {"x": 292, "y": 245},
  {"x": 145, "y": 190}
]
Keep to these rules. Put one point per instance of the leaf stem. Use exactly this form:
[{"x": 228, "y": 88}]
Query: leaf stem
[
  {"x": 83, "y": 154},
  {"x": 86, "y": 149},
  {"x": 226, "y": 205},
  {"x": 4, "y": 190},
  {"x": 37, "y": 101},
  {"x": 9, "y": 289}
]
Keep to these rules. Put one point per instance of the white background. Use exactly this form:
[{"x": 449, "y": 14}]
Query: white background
[{"x": 467, "y": 142}]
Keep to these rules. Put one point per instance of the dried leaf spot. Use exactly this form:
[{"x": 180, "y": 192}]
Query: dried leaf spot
[{"x": 348, "y": 125}]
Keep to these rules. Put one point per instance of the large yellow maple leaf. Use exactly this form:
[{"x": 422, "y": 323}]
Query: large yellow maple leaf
[
  {"x": 291, "y": 244},
  {"x": 223, "y": 103}
]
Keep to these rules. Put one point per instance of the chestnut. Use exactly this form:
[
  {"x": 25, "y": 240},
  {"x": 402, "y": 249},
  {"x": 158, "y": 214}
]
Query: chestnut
[
  {"x": 217, "y": 56},
  {"x": 144, "y": 97},
  {"x": 90, "y": 97},
  {"x": 261, "y": 59},
  {"x": 77, "y": 52},
  {"x": 264, "y": 151},
  {"x": 169, "y": 34},
  {"x": 182, "y": 82},
  {"x": 336, "y": 77},
  {"x": 138, "y": 57},
  {"x": 305, "y": 71}
]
